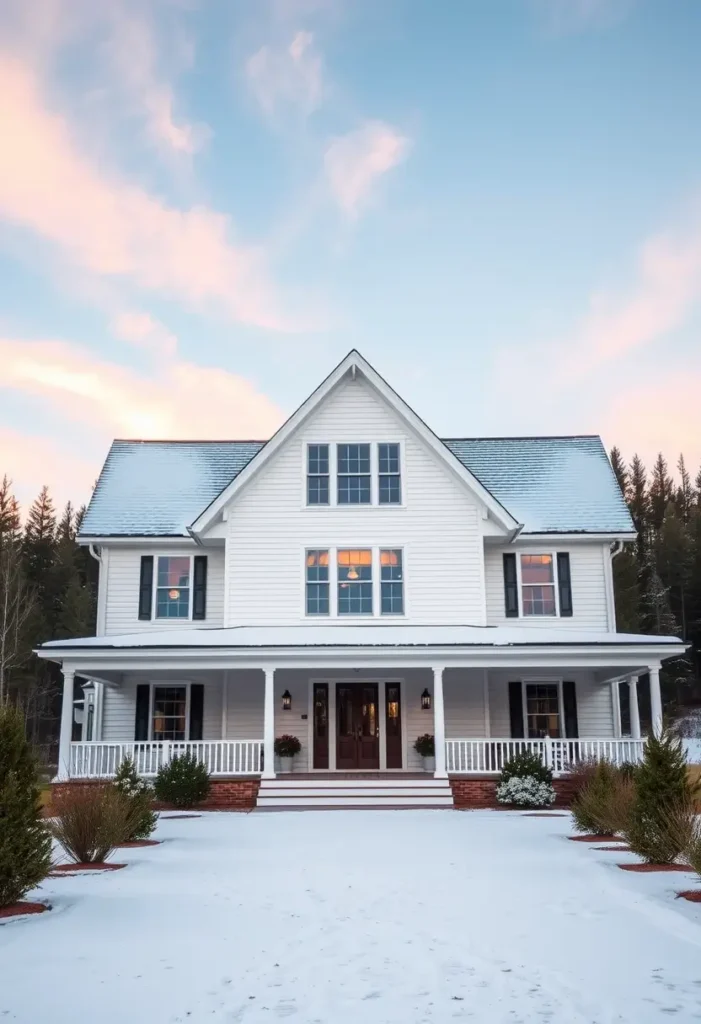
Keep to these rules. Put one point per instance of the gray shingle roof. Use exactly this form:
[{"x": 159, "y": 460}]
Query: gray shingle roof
[{"x": 550, "y": 484}]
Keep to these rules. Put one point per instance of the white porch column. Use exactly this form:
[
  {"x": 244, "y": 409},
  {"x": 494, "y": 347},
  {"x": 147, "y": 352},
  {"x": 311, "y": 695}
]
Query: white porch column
[
  {"x": 439, "y": 723},
  {"x": 655, "y": 700},
  {"x": 634, "y": 709},
  {"x": 269, "y": 725},
  {"x": 64, "y": 742},
  {"x": 616, "y": 705}
]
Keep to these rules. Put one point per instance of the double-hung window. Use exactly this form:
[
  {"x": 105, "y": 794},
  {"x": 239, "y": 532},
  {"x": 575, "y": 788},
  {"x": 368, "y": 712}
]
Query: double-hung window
[
  {"x": 173, "y": 587},
  {"x": 354, "y": 582},
  {"x": 169, "y": 715},
  {"x": 391, "y": 582},
  {"x": 543, "y": 710},
  {"x": 538, "y": 585},
  {"x": 317, "y": 582},
  {"x": 389, "y": 474},
  {"x": 317, "y": 474},
  {"x": 353, "y": 473}
]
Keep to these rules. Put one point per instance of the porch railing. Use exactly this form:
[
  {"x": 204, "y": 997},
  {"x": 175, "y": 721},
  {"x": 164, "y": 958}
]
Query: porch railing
[
  {"x": 100, "y": 760},
  {"x": 482, "y": 756}
]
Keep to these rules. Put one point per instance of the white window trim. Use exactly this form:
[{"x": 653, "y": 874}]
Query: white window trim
[
  {"x": 163, "y": 618},
  {"x": 543, "y": 681},
  {"x": 151, "y": 699},
  {"x": 333, "y": 550},
  {"x": 390, "y": 615},
  {"x": 305, "y": 493},
  {"x": 374, "y": 473},
  {"x": 400, "y": 474},
  {"x": 555, "y": 584}
]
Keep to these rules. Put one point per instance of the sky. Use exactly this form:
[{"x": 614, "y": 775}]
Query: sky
[{"x": 205, "y": 204}]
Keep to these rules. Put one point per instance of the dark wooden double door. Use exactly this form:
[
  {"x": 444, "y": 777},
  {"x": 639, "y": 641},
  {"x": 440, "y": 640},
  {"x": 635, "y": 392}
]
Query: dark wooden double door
[{"x": 358, "y": 726}]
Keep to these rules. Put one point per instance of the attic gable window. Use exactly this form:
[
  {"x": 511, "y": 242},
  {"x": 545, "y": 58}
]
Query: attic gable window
[
  {"x": 538, "y": 585},
  {"x": 318, "y": 474},
  {"x": 390, "y": 481},
  {"x": 353, "y": 472}
]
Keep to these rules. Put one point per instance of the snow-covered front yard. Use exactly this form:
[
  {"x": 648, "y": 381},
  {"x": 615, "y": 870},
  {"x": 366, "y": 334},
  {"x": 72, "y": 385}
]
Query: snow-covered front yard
[{"x": 364, "y": 917}]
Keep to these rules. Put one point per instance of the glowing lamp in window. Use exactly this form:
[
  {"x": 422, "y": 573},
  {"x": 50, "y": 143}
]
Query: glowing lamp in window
[
  {"x": 352, "y": 573},
  {"x": 425, "y": 701},
  {"x": 174, "y": 595},
  {"x": 286, "y": 701}
]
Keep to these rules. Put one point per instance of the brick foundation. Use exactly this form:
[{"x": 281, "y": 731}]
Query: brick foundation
[
  {"x": 224, "y": 795},
  {"x": 477, "y": 791}
]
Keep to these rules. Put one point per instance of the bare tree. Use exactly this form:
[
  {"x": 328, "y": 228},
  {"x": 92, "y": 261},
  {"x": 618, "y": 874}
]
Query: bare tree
[{"x": 17, "y": 606}]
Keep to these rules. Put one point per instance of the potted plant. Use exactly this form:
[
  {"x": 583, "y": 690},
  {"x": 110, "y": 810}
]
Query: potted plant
[
  {"x": 426, "y": 748},
  {"x": 285, "y": 748}
]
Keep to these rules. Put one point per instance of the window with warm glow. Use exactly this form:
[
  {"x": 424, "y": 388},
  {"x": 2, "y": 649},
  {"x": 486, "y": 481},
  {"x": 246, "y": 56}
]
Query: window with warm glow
[
  {"x": 543, "y": 710},
  {"x": 317, "y": 572},
  {"x": 354, "y": 582},
  {"x": 391, "y": 582},
  {"x": 173, "y": 588},
  {"x": 169, "y": 712},
  {"x": 538, "y": 585}
]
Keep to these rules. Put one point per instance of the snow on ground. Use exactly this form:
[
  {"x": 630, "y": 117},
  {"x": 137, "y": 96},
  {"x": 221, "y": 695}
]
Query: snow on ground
[{"x": 396, "y": 917}]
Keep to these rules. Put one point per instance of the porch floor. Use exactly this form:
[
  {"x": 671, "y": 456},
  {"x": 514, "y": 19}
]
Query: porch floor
[{"x": 379, "y": 917}]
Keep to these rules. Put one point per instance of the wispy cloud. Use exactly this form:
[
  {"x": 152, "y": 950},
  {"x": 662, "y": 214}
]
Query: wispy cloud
[
  {"x": 115, "y": 229},
  {"x": 563, "y": 17},
  {"x": 144, "y": 331},
  {"x": 354, "y": 163},
  {"x": 32, "y": 461},
  {"x": 287, "y": 78}
]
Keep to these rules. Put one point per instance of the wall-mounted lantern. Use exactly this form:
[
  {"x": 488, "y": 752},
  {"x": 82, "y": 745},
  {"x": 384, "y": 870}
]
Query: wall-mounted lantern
[
  {"x": 425, "y": 701},
  {"x": 286, "y": 700}
]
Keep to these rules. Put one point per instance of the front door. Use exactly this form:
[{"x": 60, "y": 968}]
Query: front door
[{"x": 357, "y": 726}]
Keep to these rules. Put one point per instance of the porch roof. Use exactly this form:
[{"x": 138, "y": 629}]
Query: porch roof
[{"x": 317, "y": 635}]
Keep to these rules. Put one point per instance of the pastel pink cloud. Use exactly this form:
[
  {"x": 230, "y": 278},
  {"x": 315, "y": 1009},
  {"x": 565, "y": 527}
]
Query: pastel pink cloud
[
  {"x": 289, "y": 76},
  {"x": 355, "y": 162}
]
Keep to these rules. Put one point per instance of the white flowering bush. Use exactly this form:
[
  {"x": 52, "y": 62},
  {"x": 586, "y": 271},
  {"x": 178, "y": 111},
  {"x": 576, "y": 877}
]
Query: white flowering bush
[{"x": 526, "y": 791}]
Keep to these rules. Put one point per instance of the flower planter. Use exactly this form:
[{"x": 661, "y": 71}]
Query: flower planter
[
  {"x": 429, "y": 764},
  {"x": 286, "y": 764}
]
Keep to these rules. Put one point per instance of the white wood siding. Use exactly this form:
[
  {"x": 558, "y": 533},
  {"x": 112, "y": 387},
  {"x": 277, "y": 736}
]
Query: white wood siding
[
  {"x": 594, "y": 708},
  {"x": 122, "y": 588},
  {"x": 119, "y": 709},
  {"x": 438, "y": 527},
  {"x": 587, "y": 569}
]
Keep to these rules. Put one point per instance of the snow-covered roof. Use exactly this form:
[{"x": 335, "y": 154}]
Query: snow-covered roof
[
  {"x": 351, "y": 635},
  {"x": 550, "y": 484}
]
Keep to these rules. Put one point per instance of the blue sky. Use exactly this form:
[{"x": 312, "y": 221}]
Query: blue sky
[{"x": 205, "y": 205}]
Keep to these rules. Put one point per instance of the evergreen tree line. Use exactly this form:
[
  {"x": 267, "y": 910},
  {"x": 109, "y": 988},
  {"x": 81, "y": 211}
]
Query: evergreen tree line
[
  {"x": 48, "y": 590},
  {"x": 658, "y": 579}
]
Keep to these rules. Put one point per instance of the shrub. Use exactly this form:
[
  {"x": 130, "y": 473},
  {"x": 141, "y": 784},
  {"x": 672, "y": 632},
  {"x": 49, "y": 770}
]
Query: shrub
[
  {"x": 183, "y": 783},
  {"x": 661, "y": 784},
  {"x": 287, "y": 746},
  {"x": 425, "y": 745},
  {"x": 89, "y": 821},
  {"x": 25, "y": 842},
  {"x": 526, "y": 791},
  {"x": 579, "y": 773},
  {"x": 684, "y": 826},
  {"x": 526, "y": 765},
  {"x": 603, "y": 806},
  {"x": 140, "y": 795}
]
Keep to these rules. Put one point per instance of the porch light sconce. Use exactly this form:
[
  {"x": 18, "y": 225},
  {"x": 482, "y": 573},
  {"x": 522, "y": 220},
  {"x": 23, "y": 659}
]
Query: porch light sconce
[
  {"x": 286, "y": 700},
  {"x": 425, "y": 701}
]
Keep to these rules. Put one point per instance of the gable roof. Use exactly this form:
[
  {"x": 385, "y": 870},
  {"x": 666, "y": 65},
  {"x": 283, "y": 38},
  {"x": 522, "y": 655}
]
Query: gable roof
[
  {"x": 354, "y": 363},
  {"x": 550, "y": 484}
]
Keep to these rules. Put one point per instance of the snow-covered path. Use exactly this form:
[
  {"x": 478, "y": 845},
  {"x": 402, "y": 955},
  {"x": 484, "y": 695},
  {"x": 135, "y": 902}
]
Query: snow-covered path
[{"x": 363, "y": 917}]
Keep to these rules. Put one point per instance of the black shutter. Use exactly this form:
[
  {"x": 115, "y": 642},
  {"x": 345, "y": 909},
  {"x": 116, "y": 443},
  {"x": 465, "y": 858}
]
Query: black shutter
[
  {"x": 196, "y": 711},
  {"x": 516, "y": 710},
  {"x": 510, "y": 587},
  {"x": 199, "y": 590},
  {"x": 569, "y": 699},
  {"x": 146, "y": 587},
  {"x": 143, "y": 695},
  {"x": 564, "y": 582}
]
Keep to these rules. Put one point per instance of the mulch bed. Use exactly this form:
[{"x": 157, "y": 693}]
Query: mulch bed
[
  {"x": 692, "y": 895},
  {"x": 655, "y": 867},
  {"x": 76, "y": 869},
  {"x": 613, "y": 849},
  {"x": 545, "y": 814},
  {"x": 23, "y": 908},
  {"x": 594, "y": 839},
  {"x": 135, "y": 843},
  {"x": 179, "y": 817}
]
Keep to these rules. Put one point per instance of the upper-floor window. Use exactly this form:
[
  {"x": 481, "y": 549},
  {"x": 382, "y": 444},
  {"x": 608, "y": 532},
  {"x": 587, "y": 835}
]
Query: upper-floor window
[
  {"x": 317, "y": 582},
  {"x": 353, "y": 473},
  {"x": 538, "y": 585},
  {"x": 391, "y": 582},
  {"x": 318, "y": 474},
  {"x": 355, "y": 582},
  {"x": 389, "y": 474},
  {"x": 173, "y": 587}
]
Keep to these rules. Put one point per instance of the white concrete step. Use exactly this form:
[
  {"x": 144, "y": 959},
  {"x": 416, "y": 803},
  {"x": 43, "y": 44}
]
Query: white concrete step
[
  {"x": 341, "y": 783},
  {"x": 354, "y": 801},
  {"x": 288, "y": 792}
]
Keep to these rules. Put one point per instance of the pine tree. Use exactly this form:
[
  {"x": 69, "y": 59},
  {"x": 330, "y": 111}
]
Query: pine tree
[
  {"x": 655, "y": 613},
  {"x": 25, "y": 844},
  {"x": 9, "y": 511},
  {"x": 686, "y": 495},
  {"x": 40, "y": 554},
  {"x": 639, "y": 501},
  {"x": 661, "y": 783},
  {"x": 627, "y": 591},
  {"x": 619, "y": 468},
  {"x": 661, "y": 491}
]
